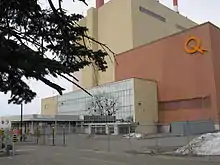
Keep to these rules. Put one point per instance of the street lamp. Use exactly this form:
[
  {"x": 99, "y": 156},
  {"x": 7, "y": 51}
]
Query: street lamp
[{"x": 21, "y": 123}]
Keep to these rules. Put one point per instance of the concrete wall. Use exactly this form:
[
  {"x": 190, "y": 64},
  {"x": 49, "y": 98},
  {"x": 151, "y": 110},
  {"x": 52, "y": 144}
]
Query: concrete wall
[
  {"x": 179, "y": 75},
  {"x": 152, "y": 20},
  {"x": 105, "y": 25},
  {"x": 79, "y": 74},
  {"x": 192, "y": 127},
  {"x": 121, "y": 26},
  {"x": 115, "y": 30},
  {"x": 146, "y": 105},
  {"x": 49, "y": 105},
  {"x": 89, "y": 74}
]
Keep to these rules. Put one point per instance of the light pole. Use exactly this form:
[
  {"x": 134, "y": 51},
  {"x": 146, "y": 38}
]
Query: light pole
[{"x": 21, "y": 123}]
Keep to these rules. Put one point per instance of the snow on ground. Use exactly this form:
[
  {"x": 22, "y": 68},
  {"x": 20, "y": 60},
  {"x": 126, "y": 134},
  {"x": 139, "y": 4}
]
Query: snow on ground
[
  {"x": 134, "y": 136},
  {"x": 207, "y": 144}
]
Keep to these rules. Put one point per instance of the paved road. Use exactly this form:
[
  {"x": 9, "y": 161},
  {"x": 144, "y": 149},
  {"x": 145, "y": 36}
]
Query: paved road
[{"x": 54, "y": 155}]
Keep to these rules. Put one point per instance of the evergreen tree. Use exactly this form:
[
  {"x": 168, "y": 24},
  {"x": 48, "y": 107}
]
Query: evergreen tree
[{"x": 28, "y": 32}]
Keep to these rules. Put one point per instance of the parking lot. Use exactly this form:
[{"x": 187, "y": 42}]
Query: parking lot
[
  {"x": 81, "y": 150},
  {"x": 56, "y": 155}
]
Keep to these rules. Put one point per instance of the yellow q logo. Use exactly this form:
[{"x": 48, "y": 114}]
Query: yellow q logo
[{"x": 193, "y": 45}]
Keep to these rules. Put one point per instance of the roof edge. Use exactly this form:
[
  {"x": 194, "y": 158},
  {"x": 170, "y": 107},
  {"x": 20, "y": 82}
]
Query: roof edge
[{"x": 169, "y": 36}]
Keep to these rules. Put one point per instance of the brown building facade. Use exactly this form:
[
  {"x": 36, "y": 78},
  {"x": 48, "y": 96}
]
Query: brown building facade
[{"x": 188, "y": 82}]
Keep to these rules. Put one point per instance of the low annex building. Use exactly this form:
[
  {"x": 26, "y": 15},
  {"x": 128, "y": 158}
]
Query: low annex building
[{"x": 135, "y": 100}]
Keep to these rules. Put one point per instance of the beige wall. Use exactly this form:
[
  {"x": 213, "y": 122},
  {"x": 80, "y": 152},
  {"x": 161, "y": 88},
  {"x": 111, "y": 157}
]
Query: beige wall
[
  {"x": 147, "y": 28},
  {"x": 121, "y": 26},
  {"x": 145, "y": 100},
  {"x": 79, "y": 74},
  {"x": 115, "y": 30},
  {"x": 89, "y": 74},
  {"x": 49, "y": 105},
  {"x": 111, "y": 18},
  {"x": 146, "y": 105},
  {"x": 115, "y": 25}
]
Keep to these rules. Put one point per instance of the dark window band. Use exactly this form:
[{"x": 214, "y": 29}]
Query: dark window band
[
  {"x": 180, "y": 27},
  {"x": 146, "y": 11}
]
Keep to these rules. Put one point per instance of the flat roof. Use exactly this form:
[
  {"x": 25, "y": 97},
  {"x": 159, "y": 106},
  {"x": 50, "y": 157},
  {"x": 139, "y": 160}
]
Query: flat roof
[
  {"x": 37, "y": 117},
  {"x": 104, "y": 124}
]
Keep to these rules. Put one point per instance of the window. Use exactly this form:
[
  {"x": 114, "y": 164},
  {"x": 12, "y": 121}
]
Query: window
[
  {"x": 152, "y": 14},
  {"x": 46, "y": 106}
]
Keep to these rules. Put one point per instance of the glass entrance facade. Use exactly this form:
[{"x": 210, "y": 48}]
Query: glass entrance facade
[{"x": 78, "y": 102}]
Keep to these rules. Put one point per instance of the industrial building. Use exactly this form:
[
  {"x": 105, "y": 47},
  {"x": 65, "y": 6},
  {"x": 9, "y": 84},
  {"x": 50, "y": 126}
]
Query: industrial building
[
  {"x": 185, "y": 66},
  {"x": 176, "y": 81},
  {"x": 125, "y": 24},
  {"x": 129, "y": 22},
  {"x": 174, "y": 73},
  {"x": 31, "y": 122},
  {"x": 69, "y": 123}
]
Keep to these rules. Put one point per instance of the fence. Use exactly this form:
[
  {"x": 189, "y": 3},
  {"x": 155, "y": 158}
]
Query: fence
[
  {"x": 141, "y": 138},
  {"x": 130, "y": 138},
  {"x": 118, "y": 137},
  {"x": 53, "y": 136},
  {"x": 47, "y": 136}
]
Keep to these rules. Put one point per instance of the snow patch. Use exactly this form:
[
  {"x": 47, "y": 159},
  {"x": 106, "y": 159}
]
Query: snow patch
[
  {"x": 134, "y": 136},
  {"x": 207, "y": 144}
]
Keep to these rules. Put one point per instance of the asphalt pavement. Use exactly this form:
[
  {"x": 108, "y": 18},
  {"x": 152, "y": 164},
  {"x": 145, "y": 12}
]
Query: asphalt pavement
[{"x": 65, "y": 155}]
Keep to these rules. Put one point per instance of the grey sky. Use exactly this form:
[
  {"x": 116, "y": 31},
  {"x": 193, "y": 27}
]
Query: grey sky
[{"x": 198, "y": 10}]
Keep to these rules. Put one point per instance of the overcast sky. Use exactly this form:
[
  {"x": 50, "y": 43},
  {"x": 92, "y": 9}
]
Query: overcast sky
[{"x": 198, "y": 10}]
